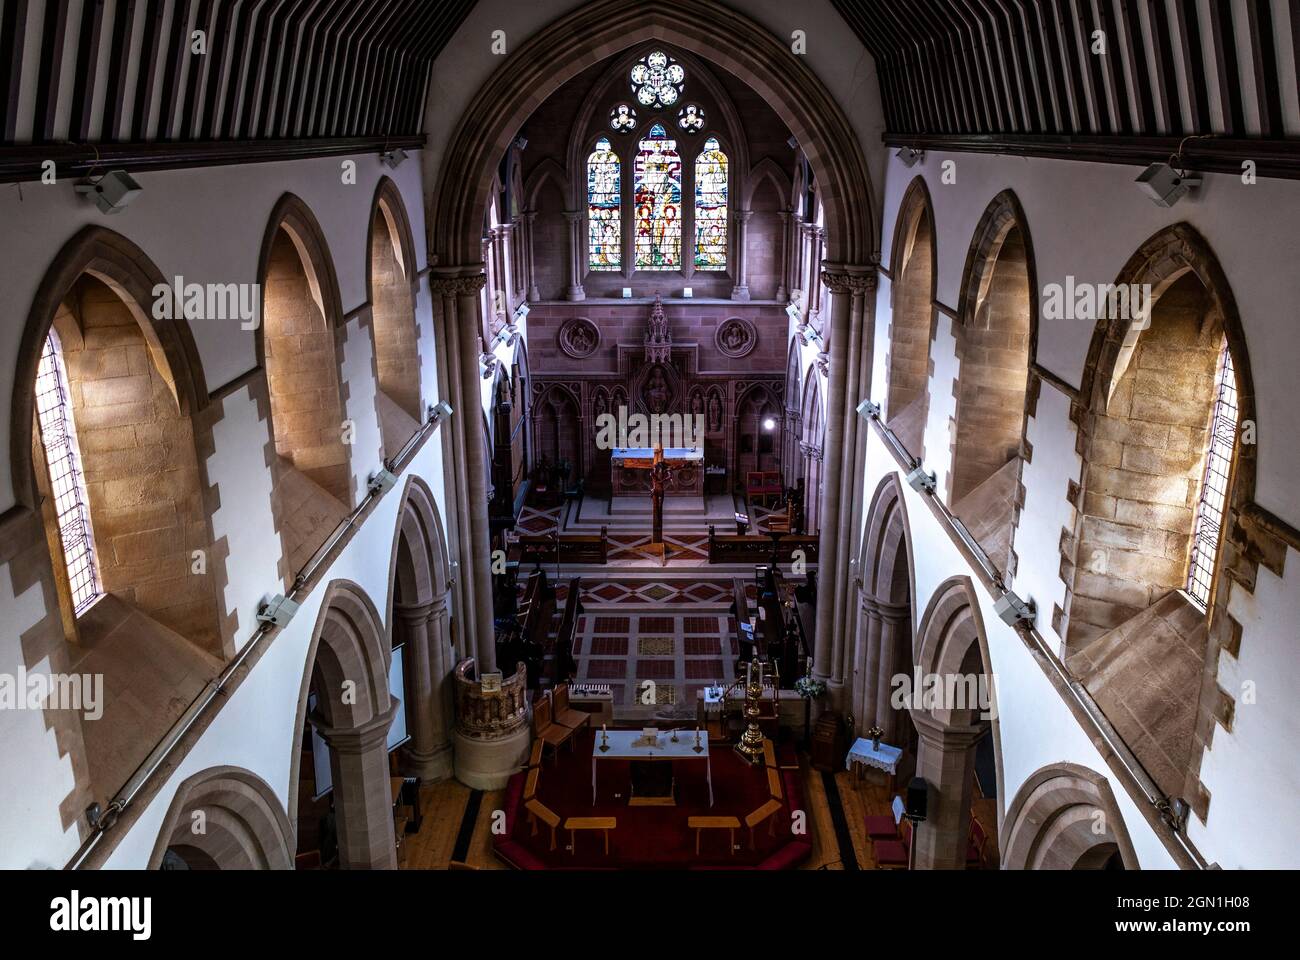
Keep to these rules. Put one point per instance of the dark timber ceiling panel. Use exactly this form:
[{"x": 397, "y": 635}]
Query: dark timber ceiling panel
[
  {"x": 127, "y": 71},
  {"x": 1172, "y": 68}
]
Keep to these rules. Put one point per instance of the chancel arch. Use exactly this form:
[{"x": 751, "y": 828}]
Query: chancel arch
[
  {"x": 345, "y": 698},
  {"x": 1064, "y": 817},
  {"x": 1168, "y": 392},
  {"x": 954, "y": 710},
  {"x": 224, "y": 818},
  {"x": 912, "y": 320}
]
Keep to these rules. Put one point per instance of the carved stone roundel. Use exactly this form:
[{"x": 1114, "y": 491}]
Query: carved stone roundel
[
  {"x": 736, "y": 337},
  {"x": 579, "y": 338}
]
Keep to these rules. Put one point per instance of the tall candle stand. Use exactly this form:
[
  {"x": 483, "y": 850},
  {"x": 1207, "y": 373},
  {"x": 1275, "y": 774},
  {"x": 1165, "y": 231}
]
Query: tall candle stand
[{"x": 750, "y": 745}]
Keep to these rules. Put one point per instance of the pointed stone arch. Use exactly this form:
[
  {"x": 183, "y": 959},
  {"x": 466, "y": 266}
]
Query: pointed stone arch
[
  {"x": 914, "y": 267},
  {"x": 347, "y": 668},
  {"x": 392, "y": 282},
  {"x": 1064, "y": 817},
  {"x": 951, "y": 644},
  {"x": 886, "y": 612},
  {"x": 418, "y": 585},
  {"x": 226, "y": 818}
]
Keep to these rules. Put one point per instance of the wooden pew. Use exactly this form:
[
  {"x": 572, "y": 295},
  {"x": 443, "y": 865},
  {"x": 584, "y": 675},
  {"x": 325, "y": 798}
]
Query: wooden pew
[
  {"x": 563, "y": 664},
  {"x": 571, "y": 548},
  {"x": 758, "y": 549}
]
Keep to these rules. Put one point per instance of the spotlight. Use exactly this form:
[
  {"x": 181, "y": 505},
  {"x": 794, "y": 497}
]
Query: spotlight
[
  {"x": 521, "y": 143},
  {"x": 792, "y": 143},
  {"x": 1013, "y": 610},
  {"x": 1164, "y": 185},
  {"x": 1175, "y": 813},
  {"x": 111, "y": 192},
  {"x": 439, "y": 410},
  {"x": 868, "y": 409},
  {"x": 380, "y": 481},
  {"x": 921, "y": 481},
  {"x": 910, "y": 157},
  {"x": 393, "y": 158},
  {"x": 769, "y": 424},
  {"x": 277, "y": 611}
]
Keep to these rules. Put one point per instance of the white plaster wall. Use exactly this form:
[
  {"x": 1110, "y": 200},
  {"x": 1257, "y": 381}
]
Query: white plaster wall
[
  {"x": 1086, "y": 220},
  {"x": 207, "y": 225}
]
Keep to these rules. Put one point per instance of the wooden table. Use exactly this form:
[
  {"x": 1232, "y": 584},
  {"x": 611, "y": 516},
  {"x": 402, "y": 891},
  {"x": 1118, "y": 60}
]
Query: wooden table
[
  {"x": 589, "y": 823},
  {"x": 767, "y": 810},
  {"x": 730, "y": 824},
  {"x": 623, "y": 745}
]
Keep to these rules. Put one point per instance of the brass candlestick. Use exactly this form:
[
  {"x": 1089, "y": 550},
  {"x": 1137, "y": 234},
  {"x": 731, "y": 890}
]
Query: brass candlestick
[{"x": 750, "y": 745}]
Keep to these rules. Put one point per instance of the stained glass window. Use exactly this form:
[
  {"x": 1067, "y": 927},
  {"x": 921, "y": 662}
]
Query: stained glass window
[
  {"x": 691, "y": 118},
  {"x": 623, "y": 118},
  {"x": 658, "y": 202},
  {"x": 59, "y": 437},
  {"x": 711, "y": 207},
  {"x": 1214, "y": 485},
  {"x": 604, "y": 198},
  {"x": 657, "y": 80}
]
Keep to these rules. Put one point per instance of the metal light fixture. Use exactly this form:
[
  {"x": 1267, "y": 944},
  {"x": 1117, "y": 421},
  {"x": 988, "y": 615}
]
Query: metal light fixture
[
  {"x": 921, "y": 480},
  {"x": 393, "y": 158},
  {"x": 112, "y": 192},
  {"x": 1013, "y": 610},
  {"x": 868, "y": 409},
  {"x": 910, "y": 157}
]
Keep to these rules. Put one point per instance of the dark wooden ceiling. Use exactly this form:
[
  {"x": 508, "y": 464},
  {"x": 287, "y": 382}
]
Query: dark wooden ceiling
[
  {"x": 1027, "y": 68},
  {"x": 124, "y": 71}
]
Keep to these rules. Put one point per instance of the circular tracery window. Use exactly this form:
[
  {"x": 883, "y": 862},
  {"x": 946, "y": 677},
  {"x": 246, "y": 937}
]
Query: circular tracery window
[
  {"x": 622, "y": 118},
  {"x": 657, "y": 80},
  {"x": 691, "y": 118}
]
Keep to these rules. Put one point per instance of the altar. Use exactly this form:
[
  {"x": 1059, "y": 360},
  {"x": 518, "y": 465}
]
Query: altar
[
  {"x": 630, "y": 471},
  {"x": 632, "y": 745}
]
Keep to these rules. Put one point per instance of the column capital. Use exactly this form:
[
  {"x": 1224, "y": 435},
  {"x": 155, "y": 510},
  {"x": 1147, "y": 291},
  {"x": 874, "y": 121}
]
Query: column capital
[
  {"x": 364, "y": 736},
  {"x": 456, "y": 281},
  {"x": 848, "y": 278}
]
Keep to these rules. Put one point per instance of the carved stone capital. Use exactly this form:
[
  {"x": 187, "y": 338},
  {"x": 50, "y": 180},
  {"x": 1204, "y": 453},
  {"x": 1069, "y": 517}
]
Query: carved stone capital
[{"x": 458, "y": 285}]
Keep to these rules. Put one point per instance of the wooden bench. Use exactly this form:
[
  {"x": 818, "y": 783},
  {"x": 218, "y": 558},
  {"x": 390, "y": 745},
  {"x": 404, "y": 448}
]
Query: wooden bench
[
  {"x": 540, "y": 811},
  {"x": 530, "y": 784},
  {"x": 574, "y": 824},
  {"x": 765, "y": 812},
  {"x": 699, "y": 824},
  {"x": 774, "y": 783},
  {"x": 569, "y": 548},
  {"x": 769, "y": 754},
  {"x": 758, "y": 549}
]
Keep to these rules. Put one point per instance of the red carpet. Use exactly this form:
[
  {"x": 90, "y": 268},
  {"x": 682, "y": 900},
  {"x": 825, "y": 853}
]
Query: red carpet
[{"x": 649, "y": 838}]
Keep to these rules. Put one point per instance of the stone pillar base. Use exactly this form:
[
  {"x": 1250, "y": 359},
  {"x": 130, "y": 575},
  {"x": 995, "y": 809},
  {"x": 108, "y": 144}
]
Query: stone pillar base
[
  {"x": 488, "y": 764},
  {"x": 438, "y": 765}
]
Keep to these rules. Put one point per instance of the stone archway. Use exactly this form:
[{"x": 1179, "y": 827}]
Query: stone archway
[
  {"x": 951, "y": 646},
  {"x": 419, "y": 583},
  {"x": 912, "y": 322},
  {"x": 732, "y": 41},
  {"x": 225, "y": 818},
  {"x": 393, "y": 284},
  {"x": 886, "y": 612},
  {"x": 347, "y": 670},
  {"x": 1064, "y": 817}
]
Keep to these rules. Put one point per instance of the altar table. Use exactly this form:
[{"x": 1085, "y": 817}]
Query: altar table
[
  {"x": 863, "y": 754},
  {"x": 623, "y": 746}
]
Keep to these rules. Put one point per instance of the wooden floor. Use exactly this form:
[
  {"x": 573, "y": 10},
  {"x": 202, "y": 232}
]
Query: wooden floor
[{"x": 444, "y": 806}]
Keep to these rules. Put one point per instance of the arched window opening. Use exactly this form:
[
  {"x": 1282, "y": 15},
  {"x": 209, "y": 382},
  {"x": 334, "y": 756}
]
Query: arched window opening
[
  {"x": 911, "y": 323},
  {"x": 396, "y": 337},
  {"x": 658, "y": 202},
  {"x": 66, "y": 478},
  {"x": 1214, "y": 483},
  {"x": 604, "y": 208},
  {"x": 711, "y": 207},
  {"x": 657, "y": 80}
]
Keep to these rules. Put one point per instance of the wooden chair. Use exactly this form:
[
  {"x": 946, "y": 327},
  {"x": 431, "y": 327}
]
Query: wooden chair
[
  {"x": 551, "y": 733},
  {"x": 893, "y": 854},
  {"x": 574, "y": 824},
  {"x": 885, "y": 827},
  {"x": 784, "y": 522},
  {"x": 730, "y": 824},
  {"x": 565, "y": 715},
  {"x": 765, "y": 812},
  {"x": 540, "y": 811}
]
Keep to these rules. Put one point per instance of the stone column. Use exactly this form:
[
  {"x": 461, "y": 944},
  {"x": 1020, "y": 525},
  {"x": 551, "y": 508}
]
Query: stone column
[
  {"x": 432, "y": 659},
  {"x": 530, "y": 219},
  {"x": 363, "y": 800},
  {"x": 895, "y": 626},
  {"x": 476, "y": 560},
  {"x": 783, "y": 281},
  {"x": 869, "y": 628},
  {"x": 828, "y": 572},
  {"x": 446, "y": 283},
  {"x": 797, "y": 283},
  {"x": 574, "y": 291},
  {"x": 946, "y": 760},
  {"x": 741, "y": 289},
  {"x": 505, "y": 283}
]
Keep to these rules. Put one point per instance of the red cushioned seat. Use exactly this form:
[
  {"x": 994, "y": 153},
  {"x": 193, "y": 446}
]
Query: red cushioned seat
[{"x": 882, "y": 828}]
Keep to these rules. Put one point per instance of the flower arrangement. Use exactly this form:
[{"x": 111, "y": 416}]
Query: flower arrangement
[{"x": 809, "y": 687}]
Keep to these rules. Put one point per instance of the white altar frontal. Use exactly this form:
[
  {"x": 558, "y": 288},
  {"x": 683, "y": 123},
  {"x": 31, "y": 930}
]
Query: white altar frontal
[
  {"x": 633, "y": 745},
  {"x": 629, "y": 469}
]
